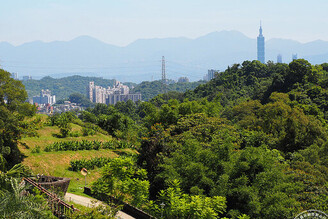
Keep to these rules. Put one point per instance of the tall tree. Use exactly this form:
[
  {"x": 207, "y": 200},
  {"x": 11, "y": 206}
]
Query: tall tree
[{"x": 13, "y": 110}]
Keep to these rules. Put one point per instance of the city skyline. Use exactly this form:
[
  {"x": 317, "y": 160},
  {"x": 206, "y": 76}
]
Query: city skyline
[{"x": 122, "y": 22}]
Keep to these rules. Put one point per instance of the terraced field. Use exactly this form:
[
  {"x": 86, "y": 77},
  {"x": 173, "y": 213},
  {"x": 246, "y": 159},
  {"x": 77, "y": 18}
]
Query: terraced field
[{"x": 57, "y": 163}]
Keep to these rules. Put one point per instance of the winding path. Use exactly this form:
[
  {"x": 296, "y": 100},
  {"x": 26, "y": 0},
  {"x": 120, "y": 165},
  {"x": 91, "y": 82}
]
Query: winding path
[{"x": 89, "y": 202}]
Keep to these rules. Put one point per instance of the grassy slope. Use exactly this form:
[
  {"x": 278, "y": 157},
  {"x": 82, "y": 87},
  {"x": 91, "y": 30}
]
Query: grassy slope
[{"x": 57, "y": 163}]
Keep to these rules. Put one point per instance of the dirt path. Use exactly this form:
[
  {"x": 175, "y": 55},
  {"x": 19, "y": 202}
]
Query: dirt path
[{"x": 89, "y": 202}]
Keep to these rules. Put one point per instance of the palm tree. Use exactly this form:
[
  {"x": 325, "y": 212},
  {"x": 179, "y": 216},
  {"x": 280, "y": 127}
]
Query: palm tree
[{"x": 15, "y": 202}]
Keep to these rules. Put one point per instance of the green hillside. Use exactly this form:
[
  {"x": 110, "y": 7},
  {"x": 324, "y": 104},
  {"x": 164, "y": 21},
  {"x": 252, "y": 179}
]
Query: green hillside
[
  {"x": 57, "y": 163},
  {"x": 151, "y": 89},
  {"x": 63, "y": 87}
]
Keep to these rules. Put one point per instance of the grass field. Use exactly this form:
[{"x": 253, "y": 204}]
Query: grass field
[{"x": 57, "y": 163}]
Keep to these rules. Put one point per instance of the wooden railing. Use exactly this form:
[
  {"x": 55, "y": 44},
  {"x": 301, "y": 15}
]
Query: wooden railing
[
  {"x": 127, "y": 208},
  {"x": 58, "y": 207}
]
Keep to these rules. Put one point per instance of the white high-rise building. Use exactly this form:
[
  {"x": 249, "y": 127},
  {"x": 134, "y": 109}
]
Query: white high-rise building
[
  {"x": 119, "y": 92},
  {"x": 211, "y": 74}
]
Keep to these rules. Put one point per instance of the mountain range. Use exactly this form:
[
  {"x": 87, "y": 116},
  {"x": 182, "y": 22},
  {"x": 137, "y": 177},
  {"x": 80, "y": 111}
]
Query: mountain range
[{"x": 142, "y": 59}]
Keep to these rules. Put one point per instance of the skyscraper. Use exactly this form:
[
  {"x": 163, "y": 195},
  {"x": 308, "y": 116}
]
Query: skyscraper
[{"x": 260, "y": 47}]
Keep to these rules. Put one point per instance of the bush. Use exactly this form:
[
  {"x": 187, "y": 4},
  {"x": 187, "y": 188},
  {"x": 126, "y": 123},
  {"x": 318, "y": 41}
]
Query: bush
[
  {"x": 74, "y": 134},
  {"x": 77, "y": 165},
  {"x": 88, "y": 131},
  {"x": 87, "y": 145},
  {"x": 37, "y": 149}
]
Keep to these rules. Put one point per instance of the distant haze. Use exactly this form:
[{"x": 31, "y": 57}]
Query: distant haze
[
  {"x": 120, "y": 22},
  {"x": 141, "y": 60}
]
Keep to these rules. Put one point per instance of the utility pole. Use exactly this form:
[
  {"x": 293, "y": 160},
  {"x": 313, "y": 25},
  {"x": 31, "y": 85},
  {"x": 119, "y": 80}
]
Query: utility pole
[{"x": 163, "y": 75}]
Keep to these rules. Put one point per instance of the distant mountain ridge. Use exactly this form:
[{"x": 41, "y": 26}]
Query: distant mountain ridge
[{"x": 141, "y": 60}]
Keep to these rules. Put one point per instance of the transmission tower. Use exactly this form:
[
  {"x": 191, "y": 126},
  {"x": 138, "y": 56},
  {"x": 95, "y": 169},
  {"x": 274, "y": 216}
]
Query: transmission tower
[{"x": 163, "y": 75}]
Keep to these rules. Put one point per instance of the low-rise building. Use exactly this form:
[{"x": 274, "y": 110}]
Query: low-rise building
[
  {"x": 183, "y": 80},
  {"x": 27, "y": 78},
  {"x": 14, "y": 75}
]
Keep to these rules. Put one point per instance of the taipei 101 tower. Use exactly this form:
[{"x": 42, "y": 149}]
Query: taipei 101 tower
[{"x": 260, "y": 47}]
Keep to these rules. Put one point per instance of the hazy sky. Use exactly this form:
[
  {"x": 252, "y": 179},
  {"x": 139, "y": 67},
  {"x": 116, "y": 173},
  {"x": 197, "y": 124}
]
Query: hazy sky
[{"x": 120, "y": 22}]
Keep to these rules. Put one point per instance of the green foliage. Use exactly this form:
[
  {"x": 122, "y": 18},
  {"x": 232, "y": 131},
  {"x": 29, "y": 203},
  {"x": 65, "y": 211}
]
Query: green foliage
[
  {"x": 122, "y": 179},
  {"x": 253, "y": 140},
  {"x": 115, "y": 124},
  {"x": 289, "y": 128},
  {"x": 77, "y": 165},
  {"x": 80, "y": 99},
  {"x": 13, "y": 204},
  {"x": 128, "y": 108},
  {"x": 87, "y": 145},
  {"x": 311, "y": 188},
  {"x": 251, "y": 143},
  {"x": 88, "y": 131},
  {"x": 98, "y": 212},
  {"x": 63, "y": 121},
  {"x": 63, "y": 87},
  {"x": 13, "y": 111},
  {"x": 116, "y": 120},
  {"x": 16, "y": 171},
  {"x": 173, "y": 203},
  {"x": 36, "y": 150},
  {"x": 151, "y": 89}
]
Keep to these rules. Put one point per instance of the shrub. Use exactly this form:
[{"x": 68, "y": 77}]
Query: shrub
[
  {"x": 87, "y": 145},
  {"x": 77, "y": 165},
  {"x": 37, "y": 149}
]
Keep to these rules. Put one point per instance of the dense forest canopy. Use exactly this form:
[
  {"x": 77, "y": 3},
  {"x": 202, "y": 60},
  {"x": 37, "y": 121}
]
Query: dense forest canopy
[{"x": 256, "y": 136}]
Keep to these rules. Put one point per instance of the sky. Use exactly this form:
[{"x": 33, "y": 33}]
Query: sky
[{"x": 120, "y": 22}]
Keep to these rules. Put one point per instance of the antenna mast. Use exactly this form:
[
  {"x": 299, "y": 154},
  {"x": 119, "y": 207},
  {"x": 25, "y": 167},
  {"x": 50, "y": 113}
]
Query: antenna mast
[{"x": 163, "y": 74}]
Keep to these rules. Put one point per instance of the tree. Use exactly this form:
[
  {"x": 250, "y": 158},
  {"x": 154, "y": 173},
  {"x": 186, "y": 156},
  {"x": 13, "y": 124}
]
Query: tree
[
  {"x": 298, "y": 70},
  {"x": 14, "y": 204},
  {"x": 116, "y": 124},
  {"x": 80, "y": 99},
  {"x": 13, "y": 110},
  {"x": 176, "y": 204},
  {"x": 64, "y": 125},
  {"x": 122, "y": 179}
]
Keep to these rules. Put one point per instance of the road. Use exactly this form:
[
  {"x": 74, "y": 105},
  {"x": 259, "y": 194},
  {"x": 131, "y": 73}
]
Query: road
[{"x": 89, "y": 202}]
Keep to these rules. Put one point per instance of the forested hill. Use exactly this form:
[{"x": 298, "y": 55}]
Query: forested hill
[
  {"x": 64, "y": 87},
  {"x": 252, "y": 80},
  {"x": 251, "y": 143},
  {"x": 153, "y": 88}
]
